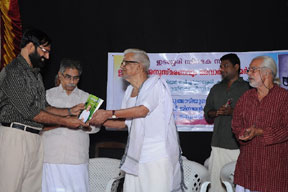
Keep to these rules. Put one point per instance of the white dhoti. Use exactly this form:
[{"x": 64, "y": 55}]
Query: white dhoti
[
  {"x": 65, "y": 178},
  {"x": 153, "y": 176}
]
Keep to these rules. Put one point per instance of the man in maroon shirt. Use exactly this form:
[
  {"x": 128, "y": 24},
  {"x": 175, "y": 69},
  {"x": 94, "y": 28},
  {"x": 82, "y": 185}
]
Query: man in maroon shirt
[{"x": 260, "y": 123}]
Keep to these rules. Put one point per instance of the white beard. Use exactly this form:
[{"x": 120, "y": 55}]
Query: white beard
[{"x": 255, "y": 83}]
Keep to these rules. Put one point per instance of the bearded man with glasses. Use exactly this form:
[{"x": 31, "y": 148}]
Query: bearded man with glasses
[{"x": 23, "y": 112}]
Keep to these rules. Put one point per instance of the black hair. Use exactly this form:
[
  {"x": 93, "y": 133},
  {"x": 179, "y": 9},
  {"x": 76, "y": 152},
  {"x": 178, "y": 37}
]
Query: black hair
[
  {"x": 35, "y": 36},
  {"x": 233, "y": 58}
]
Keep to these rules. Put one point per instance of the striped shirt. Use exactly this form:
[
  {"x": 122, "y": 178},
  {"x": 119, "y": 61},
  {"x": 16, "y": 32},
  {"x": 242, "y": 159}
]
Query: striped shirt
[
  {"x": 263, "y": 161},
  {"x": 22, "y": 93}
]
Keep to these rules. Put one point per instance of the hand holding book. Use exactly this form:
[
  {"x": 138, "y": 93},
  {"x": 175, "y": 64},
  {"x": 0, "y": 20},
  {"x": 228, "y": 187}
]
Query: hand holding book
[
  {"x": 91, "y": 106},
  {"x": 76, "y": 110}
]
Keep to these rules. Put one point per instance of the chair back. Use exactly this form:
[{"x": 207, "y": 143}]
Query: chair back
[
  {"x": 101, "y": 171},
  {"x": 227, "y": 176},
  {"x": 194, "y": 175},
  {"x": 206, "y": 163}
]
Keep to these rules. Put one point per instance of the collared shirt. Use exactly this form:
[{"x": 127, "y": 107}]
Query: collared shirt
[
  {"x": 262, "y": 163},
  {"x": 64, "y": 145},
  {"x": 217, "y": 97},
  {"x": 22, "y": 93}
]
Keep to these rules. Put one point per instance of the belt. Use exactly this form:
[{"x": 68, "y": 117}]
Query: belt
[{"x": 22, "y": 127}]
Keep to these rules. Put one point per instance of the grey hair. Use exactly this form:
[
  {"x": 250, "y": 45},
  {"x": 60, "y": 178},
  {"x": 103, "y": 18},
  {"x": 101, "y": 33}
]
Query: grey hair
[
  {"x": 70, "y": 63},
  {"x": 269, "y": 63},
  {"x": 140, "y": 56}
]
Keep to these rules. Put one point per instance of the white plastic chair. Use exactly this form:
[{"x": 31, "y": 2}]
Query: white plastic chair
[
  {"x": 227, "y": 176},
  {"x": 194, "y": 175},
  {"x": 205, "y": 184},
  {"x": 101, "y": 171},
  {"x": 116, "y": 184},
  {"x": 206, "y": 163}
]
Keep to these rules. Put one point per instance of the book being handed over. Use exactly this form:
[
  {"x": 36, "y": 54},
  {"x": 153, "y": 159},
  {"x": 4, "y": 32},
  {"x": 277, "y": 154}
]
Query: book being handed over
[{"x": 91, "y": 105}]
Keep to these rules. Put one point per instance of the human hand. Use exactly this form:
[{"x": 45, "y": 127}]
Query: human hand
[
  {"x": 250, "y": 133},
  {"x": 74, "y": 123},
  {"x": 99, "y": 117},
  {"x": 75, "y": 110},
  {"x": 224, "y": 111}
]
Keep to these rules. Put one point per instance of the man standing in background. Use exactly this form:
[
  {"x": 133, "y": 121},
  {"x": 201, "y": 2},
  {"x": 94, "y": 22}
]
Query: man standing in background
[
  {"x": 219, "y": 107},
  {"x": 66, "y": 151}
]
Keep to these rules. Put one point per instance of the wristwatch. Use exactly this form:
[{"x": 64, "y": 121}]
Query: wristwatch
[{"x": 113, "y": 115}]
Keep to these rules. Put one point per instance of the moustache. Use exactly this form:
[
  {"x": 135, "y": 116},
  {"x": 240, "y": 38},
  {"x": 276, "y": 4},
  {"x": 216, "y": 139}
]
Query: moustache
[{"x": 71, "y": 85}]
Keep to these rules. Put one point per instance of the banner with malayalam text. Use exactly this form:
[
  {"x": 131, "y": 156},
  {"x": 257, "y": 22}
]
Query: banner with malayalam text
[{"x": 190, "y": 77}]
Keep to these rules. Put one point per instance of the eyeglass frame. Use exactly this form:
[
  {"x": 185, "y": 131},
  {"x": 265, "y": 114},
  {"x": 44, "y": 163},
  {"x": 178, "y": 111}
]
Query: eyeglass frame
[
  {"x": 43, "y": 49},
  {"x": 124, "y": 62},
  {"x": 69, "y": 77},
  {"x": 254, "y": 69}
]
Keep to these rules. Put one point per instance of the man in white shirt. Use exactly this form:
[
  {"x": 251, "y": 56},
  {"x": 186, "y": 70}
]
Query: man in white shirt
[
  {"x": 66, "y": 151},
  {"x": 152, "y": 159}
]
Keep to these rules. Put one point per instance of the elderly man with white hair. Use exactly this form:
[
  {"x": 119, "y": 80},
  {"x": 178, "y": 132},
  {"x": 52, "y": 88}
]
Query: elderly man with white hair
[
  {"x": 152, "y": 158},
  {"x": 260, "y": 123}
]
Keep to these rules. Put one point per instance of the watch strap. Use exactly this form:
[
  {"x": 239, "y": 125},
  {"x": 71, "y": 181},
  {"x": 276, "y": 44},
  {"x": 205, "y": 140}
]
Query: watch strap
[{"x": 113, "y": 115}]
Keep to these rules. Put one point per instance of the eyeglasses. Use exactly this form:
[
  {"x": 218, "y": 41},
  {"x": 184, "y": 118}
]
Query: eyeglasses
[
  {"x": 44, "y": 50},
  {"x": 124, "y": 62},
  {"x": 69, "y": 77},
  {"x": 254, "y": 69}
]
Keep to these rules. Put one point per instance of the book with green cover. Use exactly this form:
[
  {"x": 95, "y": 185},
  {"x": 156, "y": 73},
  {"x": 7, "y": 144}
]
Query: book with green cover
[{"x": 91, "y": 105}]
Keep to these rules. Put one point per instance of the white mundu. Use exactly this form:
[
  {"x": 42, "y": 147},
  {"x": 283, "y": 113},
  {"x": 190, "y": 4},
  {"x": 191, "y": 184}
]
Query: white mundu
[{"x": 152, "y": 157}]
